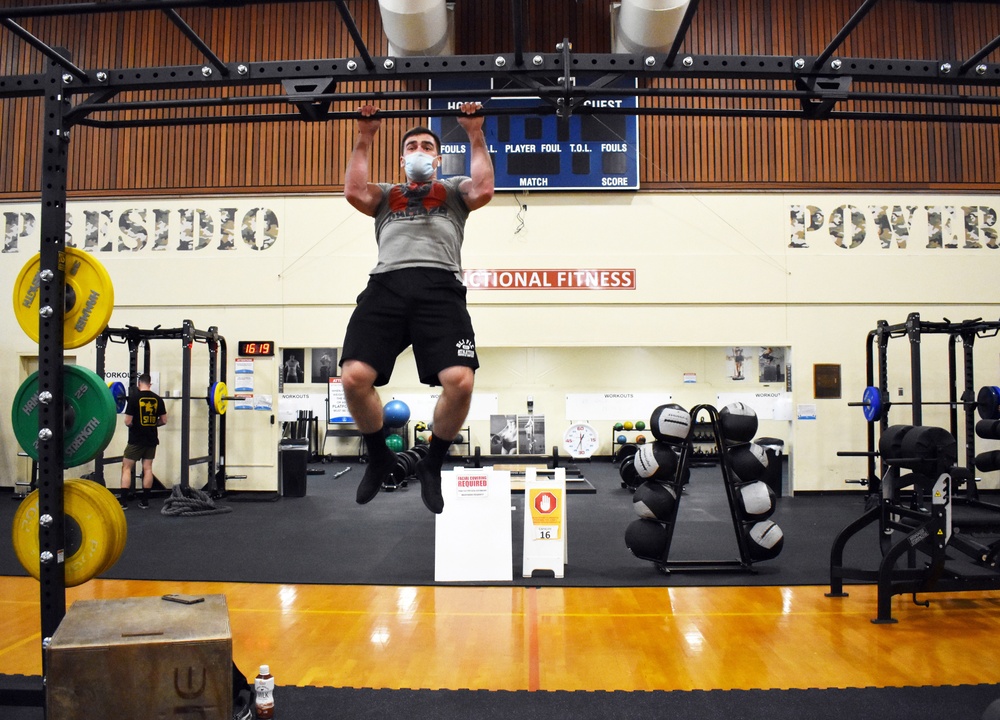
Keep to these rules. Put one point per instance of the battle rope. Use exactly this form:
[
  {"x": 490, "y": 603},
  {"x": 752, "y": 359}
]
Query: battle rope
[{"x": 189, "y": 502}]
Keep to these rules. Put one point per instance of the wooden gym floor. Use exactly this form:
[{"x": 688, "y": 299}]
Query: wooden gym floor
[{"x": 517, "y": 638}]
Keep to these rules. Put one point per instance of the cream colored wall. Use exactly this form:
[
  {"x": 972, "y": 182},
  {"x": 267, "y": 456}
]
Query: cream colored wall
[{"x": 712, "y": 271}]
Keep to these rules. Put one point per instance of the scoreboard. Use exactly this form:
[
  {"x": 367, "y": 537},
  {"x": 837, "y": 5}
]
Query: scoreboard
[{"x": 538, "y": 152}]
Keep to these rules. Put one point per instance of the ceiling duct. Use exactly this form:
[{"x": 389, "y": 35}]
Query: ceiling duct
[
  {"x": 646, "y": 25},
  {"x": 418, "y": 27}
]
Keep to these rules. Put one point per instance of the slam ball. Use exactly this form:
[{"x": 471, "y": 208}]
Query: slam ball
[
  {"x": 756, "y": 501},
  {"x": 396, "y": 413},
  {"x": 627, "y": 450},
  {"x": 647, "y": 539},
  {"x": 657, "y": 461},
  {"x": 655, "y": 501},
  {"x": 764, "y": 540},
  {"x": 630, "y": 478},
  {"x": 738, "y": 421},
  {"x": 670, "y": 423},
  {"x": 748, "y": 461}
]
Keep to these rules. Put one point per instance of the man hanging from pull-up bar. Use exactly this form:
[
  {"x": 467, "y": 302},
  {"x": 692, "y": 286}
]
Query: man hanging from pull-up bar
[{"x": 415, "y": 294}]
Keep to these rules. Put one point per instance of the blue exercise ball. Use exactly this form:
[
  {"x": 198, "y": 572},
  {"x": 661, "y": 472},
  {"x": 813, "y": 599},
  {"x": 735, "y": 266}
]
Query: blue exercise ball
[{"x": 395, "y": 414}]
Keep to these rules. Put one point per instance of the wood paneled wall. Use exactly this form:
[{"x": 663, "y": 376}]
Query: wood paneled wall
[{"x": 680, "y": 153}]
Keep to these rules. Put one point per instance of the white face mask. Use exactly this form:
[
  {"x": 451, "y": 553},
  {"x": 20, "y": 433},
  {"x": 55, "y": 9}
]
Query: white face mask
[{"x": 419, "y": 166}]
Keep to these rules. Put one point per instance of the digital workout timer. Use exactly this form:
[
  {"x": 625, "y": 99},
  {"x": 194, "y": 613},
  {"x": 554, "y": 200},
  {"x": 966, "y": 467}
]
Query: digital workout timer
[{"x": 256, "y": 348}]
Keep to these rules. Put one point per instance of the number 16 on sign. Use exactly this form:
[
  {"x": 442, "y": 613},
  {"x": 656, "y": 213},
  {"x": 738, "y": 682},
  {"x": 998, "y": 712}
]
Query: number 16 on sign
[{"x": 546, "y": 512}]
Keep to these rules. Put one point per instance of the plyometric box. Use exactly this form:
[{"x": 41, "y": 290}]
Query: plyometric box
[{"x": 141, "y": 658}]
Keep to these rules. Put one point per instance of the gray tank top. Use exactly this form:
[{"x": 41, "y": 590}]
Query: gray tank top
[{"x": 421, "y": 225}]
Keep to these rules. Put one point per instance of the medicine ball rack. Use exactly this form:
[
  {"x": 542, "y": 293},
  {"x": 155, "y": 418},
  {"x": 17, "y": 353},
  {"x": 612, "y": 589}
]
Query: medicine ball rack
[
  {"x": 898, "y": 503},
  {"x": 217, "y": 356},
  {"x": 745, "y": 561}
]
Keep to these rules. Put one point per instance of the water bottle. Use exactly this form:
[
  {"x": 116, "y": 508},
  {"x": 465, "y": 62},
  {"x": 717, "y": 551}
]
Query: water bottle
[{"x": 263, "y": 686}]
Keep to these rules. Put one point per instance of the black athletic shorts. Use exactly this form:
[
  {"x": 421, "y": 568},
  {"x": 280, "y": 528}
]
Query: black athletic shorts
[{"x": 422, "y": 307}]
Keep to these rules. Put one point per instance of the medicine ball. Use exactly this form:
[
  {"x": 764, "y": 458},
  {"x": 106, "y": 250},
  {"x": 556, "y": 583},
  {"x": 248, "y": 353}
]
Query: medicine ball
[
  {"x": 622, "y": 439},
  {"x": 756, "y": 501},
  {"x": 738, "y": 422},
  {"x": 647, "y": 539},
  {"x": 630, "y": 478},
  {"x": 396, "y": 413},
  {"x": 764, "y": 540},
  {"x": 670, "y": 423},
  {"x": 640, "y": 439},
  {"x": 655, "y": 501},
  {"x": 640, "y": 425},
  {"x": 619, "y": 426},
  {"x": 748, "y": 461},
  {"x": 657, "y": 460},
  {"x": 394, "y": 443}
]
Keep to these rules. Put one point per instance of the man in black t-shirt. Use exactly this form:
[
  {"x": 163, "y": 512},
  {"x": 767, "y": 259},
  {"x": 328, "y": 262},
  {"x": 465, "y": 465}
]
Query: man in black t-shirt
[{"x": 144, "y": 413}]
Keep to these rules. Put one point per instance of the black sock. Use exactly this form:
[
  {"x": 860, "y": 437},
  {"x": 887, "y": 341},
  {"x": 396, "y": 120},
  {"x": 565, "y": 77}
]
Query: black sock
[
  {"x": 428, "y": 472},
  {"x": 145, "y": 494},
  {"x": 380, "y": 461},
  {"x": 438, "y": 451}
]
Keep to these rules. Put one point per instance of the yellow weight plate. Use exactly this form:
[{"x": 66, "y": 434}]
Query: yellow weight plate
[
  {"x": 90, "y": 298},
  {"x": 90, "y": 540},
  {"x": 25, "y": 533},
  {"x": 218, "y": 395},
  {"x": 112, "y": 514}
]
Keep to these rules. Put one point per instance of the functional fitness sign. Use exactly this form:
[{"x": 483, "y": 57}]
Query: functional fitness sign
[
  {"x": 551, "y": 279},
  {"x": 140, "y": 229}
]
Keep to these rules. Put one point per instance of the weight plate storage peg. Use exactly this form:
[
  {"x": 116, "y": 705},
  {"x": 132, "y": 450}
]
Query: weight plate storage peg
[
  {"x": 89, "y": 415},
  {"x": 90, "y": 298}
]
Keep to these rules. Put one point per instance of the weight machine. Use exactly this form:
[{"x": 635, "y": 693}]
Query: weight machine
[
  {"x": 935, "y": 509},
  {"x": 188, "y": 335}
]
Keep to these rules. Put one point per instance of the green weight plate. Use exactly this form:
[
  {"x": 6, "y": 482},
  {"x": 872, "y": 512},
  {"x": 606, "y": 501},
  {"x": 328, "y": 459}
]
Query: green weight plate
[
  {"x": 90, "y": 298},
  {"x": 89, "y": 411}
]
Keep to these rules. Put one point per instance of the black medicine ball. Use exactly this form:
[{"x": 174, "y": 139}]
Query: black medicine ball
[
  {"x": 738, "y": 421},
  {"x": 748, "y": 461},
  {"x": 647, "y": 539},
  {"x": 655, "y": 501}
]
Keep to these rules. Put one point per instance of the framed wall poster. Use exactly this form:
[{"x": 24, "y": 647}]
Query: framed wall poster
[
  {"x": 324, "y": 365},
  {"x": 826, "y": 381},
  {"x": 293, "y": 365}
]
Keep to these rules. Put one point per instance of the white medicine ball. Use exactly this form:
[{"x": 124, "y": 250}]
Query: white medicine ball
[
  {"x": 670, "y": 423},
  {"x": 756, "y": 501},
  {"x": 656, "y": 460}
]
